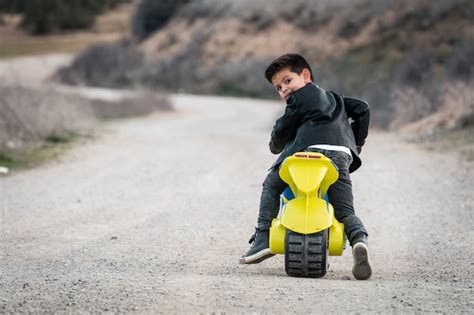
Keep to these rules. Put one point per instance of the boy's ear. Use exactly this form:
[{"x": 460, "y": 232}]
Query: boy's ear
[{"x": 306, "y": 75}]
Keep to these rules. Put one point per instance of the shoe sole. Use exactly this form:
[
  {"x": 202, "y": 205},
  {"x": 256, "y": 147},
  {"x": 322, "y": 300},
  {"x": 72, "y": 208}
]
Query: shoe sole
[
  {"x": 257, "y": 257},
  {"x": 361, "y": 269}
]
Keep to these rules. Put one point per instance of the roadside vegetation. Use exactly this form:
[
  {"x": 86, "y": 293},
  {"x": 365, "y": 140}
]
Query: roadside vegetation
[
  {"x": 458, "y": 140},
  {"x": 38, "y": 123},
  {"x": 52, "y": 147}
]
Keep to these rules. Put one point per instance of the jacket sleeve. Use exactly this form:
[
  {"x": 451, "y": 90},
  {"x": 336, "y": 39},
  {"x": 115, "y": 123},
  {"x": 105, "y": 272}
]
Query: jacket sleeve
[
  {"x": 359, "y": 111},
  {"x": 285, "y": 127}
]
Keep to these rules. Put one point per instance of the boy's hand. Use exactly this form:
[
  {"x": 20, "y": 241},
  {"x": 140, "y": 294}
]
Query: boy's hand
[
  {"x": 273, "y": 148},
  {"x": 359, "y": 149}
]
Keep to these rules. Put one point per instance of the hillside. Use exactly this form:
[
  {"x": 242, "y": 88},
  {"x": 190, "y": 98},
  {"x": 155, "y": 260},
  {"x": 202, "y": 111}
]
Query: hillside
[
  {"x": 387, "y": 52},
  {"x": 110, "y": 26}
]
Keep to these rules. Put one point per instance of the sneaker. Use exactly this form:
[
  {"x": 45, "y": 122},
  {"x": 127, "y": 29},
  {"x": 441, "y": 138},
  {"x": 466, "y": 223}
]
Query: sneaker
[
  {"x": 259, "y": 250},
  {"x": 360, "y": 253}
]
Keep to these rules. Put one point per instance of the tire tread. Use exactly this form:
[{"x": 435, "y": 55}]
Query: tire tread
[{"x": 306, "y": 255}]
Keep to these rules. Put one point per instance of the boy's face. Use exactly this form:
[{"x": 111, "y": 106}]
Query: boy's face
[{"x": 286, "y": 81}]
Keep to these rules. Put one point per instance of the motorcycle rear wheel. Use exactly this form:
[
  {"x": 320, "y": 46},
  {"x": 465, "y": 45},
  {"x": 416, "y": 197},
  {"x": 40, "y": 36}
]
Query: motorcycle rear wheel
[{"x": 306, "y": 255}]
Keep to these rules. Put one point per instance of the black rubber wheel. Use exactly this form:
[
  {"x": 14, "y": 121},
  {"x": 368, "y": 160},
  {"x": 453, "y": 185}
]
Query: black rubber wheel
[{"x": 306, "y": 255}]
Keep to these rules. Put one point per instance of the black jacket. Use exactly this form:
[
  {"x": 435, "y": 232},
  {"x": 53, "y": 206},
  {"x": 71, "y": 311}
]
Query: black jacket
[{"x": 314, "y": 116}]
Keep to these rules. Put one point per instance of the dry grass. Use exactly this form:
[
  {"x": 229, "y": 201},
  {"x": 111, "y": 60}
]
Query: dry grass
[
  {"x": 141, "y": 104},
  {"x": 66, "y": 43},
  {"x": 32, "y": 156},
  {"x": 450, "y": 127},
  {"x": 459, "y": 141},
  {"x": 455, "y": 109},
  {"x": 30, "y": 115},
  {"x": 38, "y": 123}
]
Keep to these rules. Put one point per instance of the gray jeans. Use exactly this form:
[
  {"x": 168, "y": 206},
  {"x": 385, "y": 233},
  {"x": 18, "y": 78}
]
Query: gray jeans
[{"x": 340, "y": 196}]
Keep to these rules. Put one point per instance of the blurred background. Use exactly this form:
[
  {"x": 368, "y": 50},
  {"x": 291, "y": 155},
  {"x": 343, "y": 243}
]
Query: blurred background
[{"x": 411, "y": 60}]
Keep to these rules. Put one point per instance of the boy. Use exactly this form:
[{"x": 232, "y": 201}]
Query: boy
[{"x": 313, "y": 121}]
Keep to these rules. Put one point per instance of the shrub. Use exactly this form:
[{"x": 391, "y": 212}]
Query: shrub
[
  {"x": 415, "y": 69},
  {"x": 244, "y": 78},
  {"x": 459, "y": 65},
  {"x": 32, "y": 116},
  {"x": 151, "y": 15},
  {"x": 408, "y": 106},
  {"x": 12, "y": 6},
  {"x": 109, "y": 64},
  {"x": 46, "y": 16}
]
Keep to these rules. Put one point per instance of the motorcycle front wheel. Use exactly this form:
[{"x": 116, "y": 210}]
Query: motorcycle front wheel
[{"x": 306, "y": 255}]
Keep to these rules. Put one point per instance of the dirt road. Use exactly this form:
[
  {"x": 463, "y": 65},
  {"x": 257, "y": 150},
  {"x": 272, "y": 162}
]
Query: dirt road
[{"x": 153, "y": 215}]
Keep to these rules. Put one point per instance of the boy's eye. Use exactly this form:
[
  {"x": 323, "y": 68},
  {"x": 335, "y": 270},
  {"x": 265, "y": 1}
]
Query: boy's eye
[
  {"x": 279, "y": 88},
  {"x": 287, "y": 81}
]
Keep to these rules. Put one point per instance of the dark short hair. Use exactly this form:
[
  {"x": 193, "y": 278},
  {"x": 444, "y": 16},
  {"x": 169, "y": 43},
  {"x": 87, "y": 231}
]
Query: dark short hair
[{"x": 296, "y": 63}]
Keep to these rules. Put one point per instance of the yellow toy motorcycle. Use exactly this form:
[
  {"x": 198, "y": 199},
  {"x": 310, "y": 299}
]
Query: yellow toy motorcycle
[{"x": 305, "y": 230}]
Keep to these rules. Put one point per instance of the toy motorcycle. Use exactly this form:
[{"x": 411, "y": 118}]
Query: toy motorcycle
[{"x": 305, "y": 230}]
